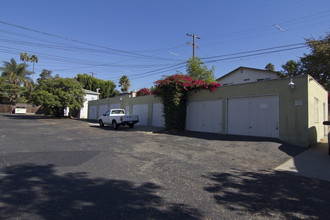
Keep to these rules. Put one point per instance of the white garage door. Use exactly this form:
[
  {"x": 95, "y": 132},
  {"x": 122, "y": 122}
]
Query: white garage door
[
  {"x": 114, "y": 106},
  {"x": 142, "y": 111},
  {"x": 127, "y": 109},
  {"x": 92, "y": 114},
  {"x": 157, "y": 115},
  {"x": 204, "y": 116},
  {"x": 102, "y": 109},
  {"x": 254, "y": 116}
]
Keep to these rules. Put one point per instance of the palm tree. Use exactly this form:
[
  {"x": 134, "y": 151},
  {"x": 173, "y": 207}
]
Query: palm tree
[
  {"x": 24, "y": 57},
  {"x": 124, "y": 83},
  {"x": 33, "y": 59},
  {"x": 16, "y": 73}
]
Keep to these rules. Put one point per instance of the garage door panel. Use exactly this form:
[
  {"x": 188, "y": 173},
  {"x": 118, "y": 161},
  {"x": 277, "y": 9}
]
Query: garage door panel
[
  {"x": 204, "y": 116},
  {"x": 158, "y": 115},
  {"x": 102, "y": 109},
  {"x": 265, "y": 116},
  {"x": 114, "y": 106},
  {"x": 238, "y": 116},
  {"x": 254, "y": 116},
  {"x": 142, "y": 111},
  {"x": 92, "y": 113}
]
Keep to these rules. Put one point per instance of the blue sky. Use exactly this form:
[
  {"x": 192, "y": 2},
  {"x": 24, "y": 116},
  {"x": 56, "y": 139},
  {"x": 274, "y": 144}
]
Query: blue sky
[{"x": 147, "y": 39}]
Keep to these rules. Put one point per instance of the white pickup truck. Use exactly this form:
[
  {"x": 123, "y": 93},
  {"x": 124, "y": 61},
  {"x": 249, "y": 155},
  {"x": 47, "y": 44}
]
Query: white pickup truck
[{"x": 117, "y": 117}]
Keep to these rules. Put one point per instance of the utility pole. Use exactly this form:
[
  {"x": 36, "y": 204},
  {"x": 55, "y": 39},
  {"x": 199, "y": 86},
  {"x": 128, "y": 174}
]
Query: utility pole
[
  {"x": 92, "y": 74},
  {"x": 193, "y": 44}
]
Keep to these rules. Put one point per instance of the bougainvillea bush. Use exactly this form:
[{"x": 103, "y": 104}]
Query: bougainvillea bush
[
  {"x": 143, "y": 92},
  {"x": 173, "y": 91}
]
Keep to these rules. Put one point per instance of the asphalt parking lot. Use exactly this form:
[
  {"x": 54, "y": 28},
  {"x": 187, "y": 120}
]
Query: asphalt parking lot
[{"x": 73, "y": 169}]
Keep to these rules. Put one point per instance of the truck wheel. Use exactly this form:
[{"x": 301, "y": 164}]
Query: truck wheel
[
  {"x": 131, "y": 125},
  {"x": 115, "y": 125},
  {"x": 101, "y": 123}
]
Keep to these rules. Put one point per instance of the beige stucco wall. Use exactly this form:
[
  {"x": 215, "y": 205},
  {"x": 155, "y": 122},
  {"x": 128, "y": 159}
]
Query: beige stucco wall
[
  {"x": 129, "y": 101},
  {"x": 296, "y": 122},
  {"x": 317, "y": 130},
  {"x": 293, "y": 118}
]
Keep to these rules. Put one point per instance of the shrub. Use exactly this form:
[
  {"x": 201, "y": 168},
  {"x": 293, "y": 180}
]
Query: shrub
[
  {"x": 143, "y": 92},
  {"x": 173, "y": 91}
]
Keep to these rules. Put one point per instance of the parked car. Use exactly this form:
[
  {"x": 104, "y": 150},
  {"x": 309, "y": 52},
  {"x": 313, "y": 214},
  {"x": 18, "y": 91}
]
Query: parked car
[{"x": 117, "y": 117}]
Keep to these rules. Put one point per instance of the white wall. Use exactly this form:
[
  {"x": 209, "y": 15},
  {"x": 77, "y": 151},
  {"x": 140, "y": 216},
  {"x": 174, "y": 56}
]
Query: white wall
[
  {"x": 247, "y": 75},
  {"x": 84, "y": 109}
]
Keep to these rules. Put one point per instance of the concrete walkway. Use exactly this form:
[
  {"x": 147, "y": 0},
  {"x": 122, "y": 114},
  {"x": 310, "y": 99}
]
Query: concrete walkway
[{"x": 313, "y": 163}]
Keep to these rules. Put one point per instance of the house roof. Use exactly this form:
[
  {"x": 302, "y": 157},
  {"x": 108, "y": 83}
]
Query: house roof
[
  {"x": 91, "y": 92},
  {"x": 243, "y": 67}
]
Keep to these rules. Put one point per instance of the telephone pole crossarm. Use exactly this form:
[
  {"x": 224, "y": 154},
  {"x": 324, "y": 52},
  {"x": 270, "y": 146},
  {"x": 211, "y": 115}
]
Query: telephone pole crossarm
[{"x": 193, "y": 44}]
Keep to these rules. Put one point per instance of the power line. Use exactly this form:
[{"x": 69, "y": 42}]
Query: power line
[
  {"x": 80, "y": 61},
  {"x": 152, "y": 72},
  {"x": 120, "y": 52},
  {"x": 180, "y": 65},
  {"x": 256, "y": 54},
  {"x": 251, "y": 51}
]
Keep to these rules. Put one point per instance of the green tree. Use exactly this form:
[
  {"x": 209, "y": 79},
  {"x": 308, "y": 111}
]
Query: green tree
[
  {"x": 317, "y": 63},
  {"x": 107, "y": 88},
  {"x": 270, "y": 67},
  {"x": 11, "y": 93},
  {"x": 198, "y": 70},
  {"x": 152, "y": 89},
  {"x": 291, "y": 68},
  {"x": 45, "y": 74},
  {"x": 124, "y": 83},
  {"x": 56, "y": 93}
]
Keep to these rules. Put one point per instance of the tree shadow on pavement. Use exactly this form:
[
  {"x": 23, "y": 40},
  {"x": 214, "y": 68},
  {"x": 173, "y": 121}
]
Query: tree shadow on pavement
[
  {"x": 36, "y": 192},
  {"x": 270, "y": 194},
  {"x": 217, "y": 136},
  {"x": 28, "y": 116}
]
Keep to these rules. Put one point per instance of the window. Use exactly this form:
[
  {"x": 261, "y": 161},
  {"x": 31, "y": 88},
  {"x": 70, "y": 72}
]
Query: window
[
  {"x": 263, "y": 79},
  {"x": 119, "y": 111},
  {"x": 316, "y": 110}
]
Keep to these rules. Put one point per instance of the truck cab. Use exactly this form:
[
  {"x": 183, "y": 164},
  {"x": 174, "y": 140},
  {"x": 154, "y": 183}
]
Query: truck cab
[{"x": 117, "y": 117}]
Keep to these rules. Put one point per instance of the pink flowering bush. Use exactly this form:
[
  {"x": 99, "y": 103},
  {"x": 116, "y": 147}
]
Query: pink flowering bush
[
  {"x": 143, "y": 92},
  {"x": 174, "y": 91}
]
